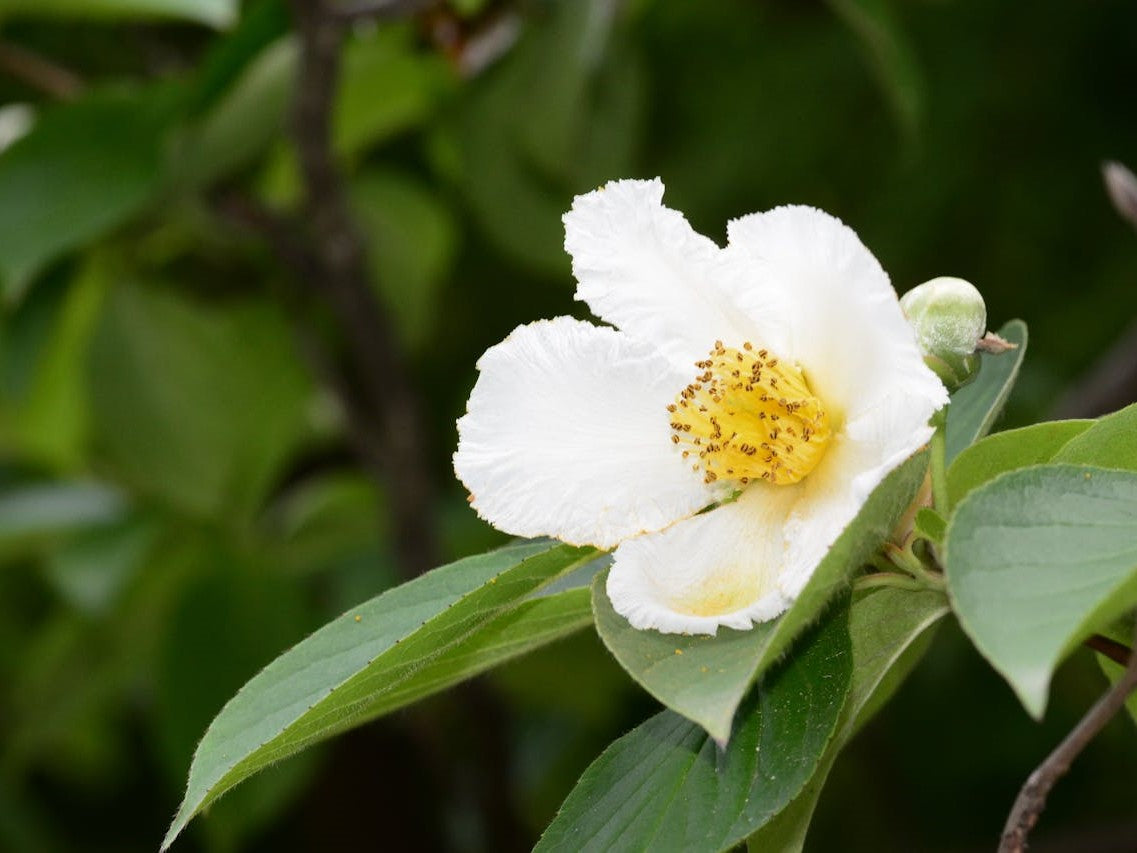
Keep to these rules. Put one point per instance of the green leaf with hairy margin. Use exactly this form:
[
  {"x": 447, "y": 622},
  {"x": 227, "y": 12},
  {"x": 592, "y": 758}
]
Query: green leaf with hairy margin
[
  {"x": 976, "y": 406},
  {"x": 889, "y": 630},
  {"x": 1005, "y": 451},
  {"x": 1037, "y": 560},
  {"x": 1110, "y": 443},
  {"x": 705, "y": 678},
  {"x": 667, "y": 785},
  {"x": 409, "y": 642}
]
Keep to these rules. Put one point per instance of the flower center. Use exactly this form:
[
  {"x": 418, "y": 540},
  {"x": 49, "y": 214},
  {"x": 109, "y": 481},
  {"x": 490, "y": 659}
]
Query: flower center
[{"x": 747, "y": 416}]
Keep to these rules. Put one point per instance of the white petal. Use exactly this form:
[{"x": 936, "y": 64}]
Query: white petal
[
  {"x": 718, "y": 568},
  {"x": 825, "y": 302},
  {"x": 641, "y": 267},
  {"x": 828, "y": 499},
  {"x": 752, "y": 557},
  {"x": 566, "y": 434}
]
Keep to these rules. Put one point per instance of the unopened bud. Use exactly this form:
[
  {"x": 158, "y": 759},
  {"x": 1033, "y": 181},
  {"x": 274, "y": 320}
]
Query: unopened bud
[{"x": 950, "y": 319}]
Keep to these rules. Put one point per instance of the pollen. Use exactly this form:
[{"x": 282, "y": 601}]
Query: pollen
[{"x": 749, "y": 416}]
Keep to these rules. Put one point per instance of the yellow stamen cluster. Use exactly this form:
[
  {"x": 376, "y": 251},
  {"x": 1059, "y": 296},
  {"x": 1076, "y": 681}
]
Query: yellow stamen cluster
[{"x": 749, "y": 416}]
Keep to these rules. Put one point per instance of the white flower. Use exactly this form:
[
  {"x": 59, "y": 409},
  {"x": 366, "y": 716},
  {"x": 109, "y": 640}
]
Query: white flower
[{"x": 778, "y": 371}]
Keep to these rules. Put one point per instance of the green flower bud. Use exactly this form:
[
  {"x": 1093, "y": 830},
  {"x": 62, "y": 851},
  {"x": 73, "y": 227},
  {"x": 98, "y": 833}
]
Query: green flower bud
[{"x": 950, "y": 319}]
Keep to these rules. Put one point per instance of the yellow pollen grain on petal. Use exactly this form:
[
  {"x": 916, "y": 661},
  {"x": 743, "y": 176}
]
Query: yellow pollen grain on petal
[{"x": 749, "y": 416}]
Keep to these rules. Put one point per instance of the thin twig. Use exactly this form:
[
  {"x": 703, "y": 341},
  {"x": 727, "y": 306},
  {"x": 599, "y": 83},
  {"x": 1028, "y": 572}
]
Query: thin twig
[
  {"x": 1117, "y": 652},
  {"x": 1032, "y": 798},
  {"x": 39, "y": 72},
  {"x": 343, "y": 279},
  {"x": 288, "y": 242},
  {"x": 1110, "y": 384}
]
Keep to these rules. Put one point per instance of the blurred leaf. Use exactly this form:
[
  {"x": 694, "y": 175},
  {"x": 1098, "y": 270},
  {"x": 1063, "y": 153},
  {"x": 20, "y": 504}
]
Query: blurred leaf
[
  {"x": 1036, "y": 561},
  {"x": 51, "y": 509},
  {"x": 412, "y": 240},
  {"x": 667, "y": 785},
  {"x": 889, "y": 630},
  {"x": 976, "y": 406},
  {"x": 83, "y": 169},
  {"x": 228, "y": 59},
  {"x": 560, "y": 114},
  {"x": 875, "y": 23},
  {"x": 335, "y": 524},
  {"x": 467, "y": 8},
  {"x": 416, "y": 639},
  {"x": 90, "y": 568},
  {"x": 389, "y": 84},
  {"x": 49, "y": 423},
  {"x": 1110, "y": 443},
  {"x": 705, "y": 678},
  {"x": 197, "y": 405},
  {"x": 216, "y": 13},
  {"x": 323, "y": 519},
  {"x": 243, "y": 122},
  {"x": 1005, "y": 451},
  {"x": 62, "y": 700}
]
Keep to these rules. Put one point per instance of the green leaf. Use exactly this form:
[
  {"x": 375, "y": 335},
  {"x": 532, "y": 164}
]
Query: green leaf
[
  {"x": 43, "y": 409},
  {"x": 243, "y": 122},
  {"x": 416, "y": 639},
  {"x": 1037, "y": 560},
  {"x": 560, "y": 114},
  {"x": 195, "y": 404},
  {"x": 976, "y": 406},
  {"x": 1005, "y": 451},
  {"x": 889, "y": 630},
  {"x": 389, "y": 85},
  {"x": 216, "y": 13},
  {"x": 667, "y": 785},
  {"x": 91, "y": 569},
  {"x": 83, "y": 169},
  {"x": 31, "y": 511},
  {"x": 238, "y": 618},
  {"x": 705, "y": 678},
  {"x": 930, "y": 524},
  {"x": 1110, "y": 443},
  {"x": 413, "y": 238},
  {"x": 227, "y": 59}
]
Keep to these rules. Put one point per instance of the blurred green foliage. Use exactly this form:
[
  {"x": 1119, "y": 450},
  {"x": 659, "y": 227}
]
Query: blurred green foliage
[{"x": 179, "y": 496}]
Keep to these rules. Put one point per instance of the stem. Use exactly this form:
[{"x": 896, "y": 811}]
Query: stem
[
  {"x": 1115, "y": 651},
  {"x": 1032, "y": 798},
  {"x": 379, "y": 390},
  {"x": 939, "y": 469},
  {"x": 39, "y": 72},
  {"x": 893, "y": 579},
  {"x": 907, "y": 561},
  {"x": 342, "y": 277}
]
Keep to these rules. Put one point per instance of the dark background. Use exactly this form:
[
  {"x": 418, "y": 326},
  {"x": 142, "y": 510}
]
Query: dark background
[{"x": 197, "y": 459}]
